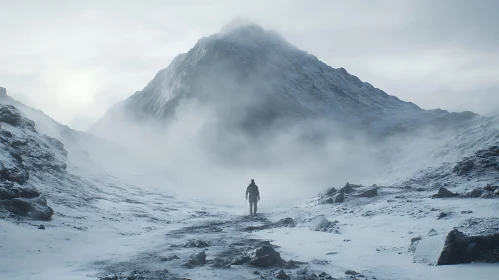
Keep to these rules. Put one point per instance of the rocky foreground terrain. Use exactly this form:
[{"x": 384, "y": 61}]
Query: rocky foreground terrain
[{"x": 55, "y": 224}]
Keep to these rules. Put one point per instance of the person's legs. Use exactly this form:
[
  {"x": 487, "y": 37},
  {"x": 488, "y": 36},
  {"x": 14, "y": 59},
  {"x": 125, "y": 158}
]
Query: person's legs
[
  {"x": 255, "y": 207},
  {"x": 251, "y": 208}
]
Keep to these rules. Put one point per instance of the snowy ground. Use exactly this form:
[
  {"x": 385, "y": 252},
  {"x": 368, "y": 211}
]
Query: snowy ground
[{"x": 132, "y": 229}]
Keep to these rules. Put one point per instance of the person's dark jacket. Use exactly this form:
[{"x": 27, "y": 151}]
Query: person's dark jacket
[{"x": 254, "y": 194}]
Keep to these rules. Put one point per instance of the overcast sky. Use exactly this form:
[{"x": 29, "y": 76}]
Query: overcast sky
[{"x": 74, "y": 59}]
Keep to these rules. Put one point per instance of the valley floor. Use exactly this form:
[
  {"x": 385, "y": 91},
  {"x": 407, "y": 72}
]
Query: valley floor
[{"x": 147, "y": 233}]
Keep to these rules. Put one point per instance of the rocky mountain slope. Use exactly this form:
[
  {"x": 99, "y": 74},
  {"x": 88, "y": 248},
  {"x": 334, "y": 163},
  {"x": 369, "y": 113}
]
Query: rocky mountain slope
[
  {"x": 251, "y": 79},
  {"x": 26, "y": 157}
]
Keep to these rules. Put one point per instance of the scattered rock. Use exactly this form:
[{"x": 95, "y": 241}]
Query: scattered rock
[
  {"x": 444, "y": 193},
  {"x": 41, "y": 227},
  {"x": 292, "y": 264},
  {"x": 432, "y": 232},
  {"x": 475, "y": 193},
  {"x": 169, "y": 258},
  {"x": 329, "y": 200},
  {"x": 442, "y": 215},
  {"x": 351, "y": 272},
  {"x": 196, "y": 244},
  {"x": 369, "y": 193},
  {"x": 196, "y": 260},
  {"x": 331, "y": 191},
  {"x": 264, "y": 256},
  {"x": 496, "y": 192},
  {"x": 490, "y": 188},
  {"x": 241, "y": 260},
  {"x": 339, "y": 198},
  {"x": 368, "y": 214},
  {"x": 282, "y": 275},
  {"x": 286, "y": 222},
  {"x": 348, "y": 188},
  {"x": 488, "y": 195},
  {"x": 414, "y": 244},
  {"x": 320, "y": 223},
  {"x": 466, "y": 212}
]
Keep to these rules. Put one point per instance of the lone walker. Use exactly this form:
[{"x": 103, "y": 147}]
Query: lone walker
[{"x": 254, "y": 196}]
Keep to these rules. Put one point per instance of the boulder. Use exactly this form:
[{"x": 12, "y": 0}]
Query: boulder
[
  {"x": 241, "y": 260},
  {"x": 444, "y": 193},
  {"x": 414, "y": 244},
  {"x": 369, "y": 193},
  {"x": 476, "y": 240},
  {"x": 339, "y": 198},
  {"x": 331, "y": 191},
  {"x": 320, "y": 223},
  {"x": 475, "y": 193},
  {"x": 282, "y": 275},
  {"x": 442, "y": 215},
  {"x": 196, "y": 260},
  {"x": 496, "y": 192},
  {"x": 351, "y": 272},
  {"x": 35, "y": 208},
  {"x": 329, "y": 200},
  {"x": 264, "y": 256},
  {"x": 490, "y": 188},
  {"x": 348, "y": 188},
  {"x": 432, "y": 232},
  {"x": 285, "y": 222}
]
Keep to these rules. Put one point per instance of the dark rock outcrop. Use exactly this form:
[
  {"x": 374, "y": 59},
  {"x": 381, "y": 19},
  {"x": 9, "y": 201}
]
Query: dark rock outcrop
[
  {"x": 369, "y": 193},
  {"x": 10, "y": 115},
  {"x": 33, "y": 208},
  {"x": 444, "y": 193},
  {"x": 475, "y": 193},
  {"x": 197, "y": 259},
  {"x": 282, "y": 275},
  {"x": 476, "y": 240},
  {"x": 25, "y": 154},
  {"x": 482, "y": 161},
  {"x": 490, "y": 188},
  {"x": 331, "y": 191},
  {"x": 264, "y": 256},
  {"x": 339, "y": 198},
  {"x": 285, "y": 222},
  {"x": 348, "y": 188}
]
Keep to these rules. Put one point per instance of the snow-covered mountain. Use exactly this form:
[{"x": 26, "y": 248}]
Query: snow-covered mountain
[{"x": 251, "y": 78}]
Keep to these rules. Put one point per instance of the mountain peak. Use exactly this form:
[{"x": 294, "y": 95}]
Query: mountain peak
[
  {"x": 248, "y": 33},
  {"x": 240, "y": 24}
]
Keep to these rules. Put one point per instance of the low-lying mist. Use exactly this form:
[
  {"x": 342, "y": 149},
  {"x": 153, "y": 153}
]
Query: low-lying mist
[{"x": 200, "y": 155}]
